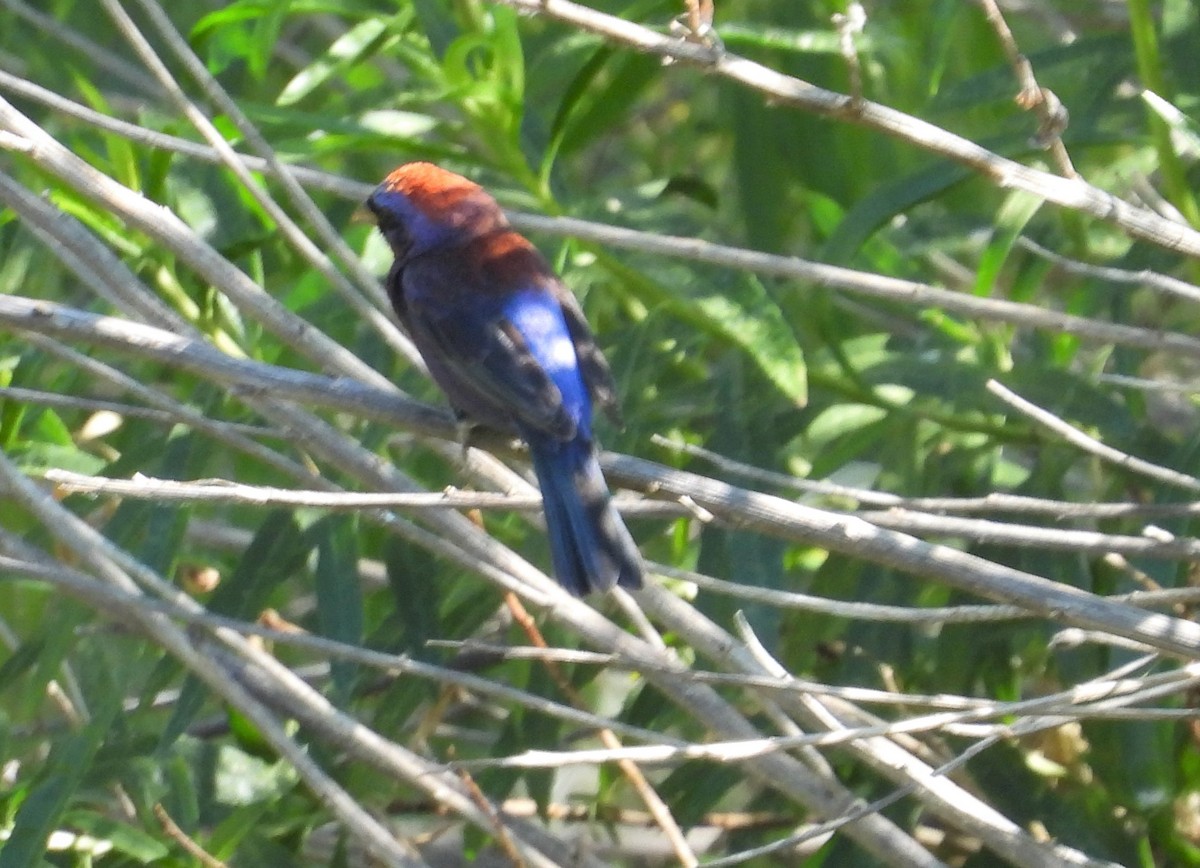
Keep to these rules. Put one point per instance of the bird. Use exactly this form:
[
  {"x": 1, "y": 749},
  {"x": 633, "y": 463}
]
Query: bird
[{"x": 508, "y": 344}]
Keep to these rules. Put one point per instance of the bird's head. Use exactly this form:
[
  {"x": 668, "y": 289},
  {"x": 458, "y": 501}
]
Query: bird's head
[{"x": 420, "y": 207}]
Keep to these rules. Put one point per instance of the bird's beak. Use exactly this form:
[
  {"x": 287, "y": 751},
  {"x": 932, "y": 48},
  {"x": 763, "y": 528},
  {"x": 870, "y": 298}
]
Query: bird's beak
[{"x": 363, "y": 214}]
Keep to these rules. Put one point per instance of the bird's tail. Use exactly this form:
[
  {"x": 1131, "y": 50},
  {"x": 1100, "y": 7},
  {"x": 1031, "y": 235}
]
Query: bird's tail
[{"x": 589, "y": 544}]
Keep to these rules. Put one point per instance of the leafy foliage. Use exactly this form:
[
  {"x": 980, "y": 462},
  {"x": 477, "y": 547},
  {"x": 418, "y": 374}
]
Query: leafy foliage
[{"x": 804, "y": 378}]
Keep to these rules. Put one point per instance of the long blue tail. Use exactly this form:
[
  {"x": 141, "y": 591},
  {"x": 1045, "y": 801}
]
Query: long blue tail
[{"x": 589, "y": 544}]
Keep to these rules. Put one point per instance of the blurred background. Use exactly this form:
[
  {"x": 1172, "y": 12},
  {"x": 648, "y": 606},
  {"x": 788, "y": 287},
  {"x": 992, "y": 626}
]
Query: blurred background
[{"x": 1001, "y": 364}]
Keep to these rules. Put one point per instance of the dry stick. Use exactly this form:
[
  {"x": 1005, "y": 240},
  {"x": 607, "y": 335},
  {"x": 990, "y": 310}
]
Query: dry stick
[
  {"x": 327, "y": 235},
  {"x": 940, "y": 795},
  {"x": 370, "y": 313},
  {"x": 226, "y": 491},
  {"x": 1051, "y": 114},
  {"x": 1006, "y": 503},
  {"x": 246, "y": 676},
  {"x": 169, "y": 230},
  {"x": 503, "y": 839},
  {"x": 106, "y": 561},
  {"x": 475, "y": 550},
  {"x": 184, "y": 840},
  {"x": 1090, "y": 699},
  {"x": 854, "y": 537},
  {"x": 1031, "y": 536},
  {"x": 1172, "y": 387},
  {"x": 740, "y": 507},
  {"x": 902, "y": 614},
  {"x": 133, "y": 411},
  {"x": 776, "y": 87},
  {"x": 179, "y": 413},
  {"x": 1090, "y": 444},
  {"x": 36, "y": 564},
  {"x": 1110, "y": 274},
  {"x": 731, "y": 821},
  {"x": 654, "y": 803},
  {"x": 248, "y": 380},
  {"x": 906, "y": 292},
  {"x": 826, "y": 276},
  {"x": 64, "y": 107},
  {"x": 111, "y": 64}
]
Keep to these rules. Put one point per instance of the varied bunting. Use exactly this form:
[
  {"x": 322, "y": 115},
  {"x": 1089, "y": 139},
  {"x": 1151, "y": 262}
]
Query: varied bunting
[{"x": 509, "y": 345}]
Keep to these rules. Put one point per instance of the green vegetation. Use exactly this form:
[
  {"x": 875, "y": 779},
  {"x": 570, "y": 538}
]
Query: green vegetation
[{"x": 916, "y": 307}]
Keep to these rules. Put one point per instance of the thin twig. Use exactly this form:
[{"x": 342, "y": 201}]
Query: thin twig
[
  {"x": 180, "y": 837},
  {"x": 650, "y": 798},
  {"x": 142, "y": 487},
  {"x": 748, "y": 509},
  {"x": 1089, "y": 444},
  {"x": 1052, "y": 115},
  {"x": 1069, "y": 193},
  {"x": 996, "y": 502}
]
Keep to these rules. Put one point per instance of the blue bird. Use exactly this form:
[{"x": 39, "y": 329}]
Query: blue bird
[{"x": 509, "y": 345}]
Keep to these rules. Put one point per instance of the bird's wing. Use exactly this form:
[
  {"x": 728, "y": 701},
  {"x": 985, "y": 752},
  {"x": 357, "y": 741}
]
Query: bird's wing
[
  {"x": 592, "y": 364},
  {"x": 487, "y": 354}
]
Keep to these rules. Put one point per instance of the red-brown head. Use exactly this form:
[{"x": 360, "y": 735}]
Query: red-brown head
[{"x": 420, "y": 206}]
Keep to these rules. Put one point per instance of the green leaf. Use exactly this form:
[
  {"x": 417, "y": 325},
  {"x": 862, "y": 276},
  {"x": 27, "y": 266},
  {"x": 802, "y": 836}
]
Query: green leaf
[
  {"x": 755, "y": 35},
  {"x": 746, "y": 314},
  {"x": 265, "y": 36},
  {"x": 36, "y": 457},
  {"x": 62, "y": 773},
  {"x": 884, "y": 203},
  {"x": 339, "y": 599},
  {"x": 277, "y": 551},
  {"x": 603, "y": 92},
  {"x": 413, "y": 576},
  {"x": 123, "y": 838},
  {"x": 743, "y": 313},
  {"x": 20, "y": 661},
  {"x": 242, "y": 779},
  {"x": 695, "y": 788},
  {"x": 1018, "y": 209},
  {"x": 348, "y": 49}
]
